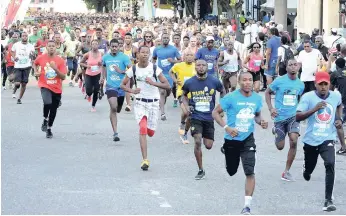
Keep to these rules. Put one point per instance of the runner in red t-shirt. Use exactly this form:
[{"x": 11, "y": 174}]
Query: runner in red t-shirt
[
  {"x": 42, "y": 43},
  {"x": 51, "y": 70}
]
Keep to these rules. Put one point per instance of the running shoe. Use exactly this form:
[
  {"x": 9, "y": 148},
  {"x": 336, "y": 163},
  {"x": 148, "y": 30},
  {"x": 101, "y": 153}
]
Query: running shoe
[
  {"x": 89, "y": 99},
  {"x": 184, "y": 139},
  {"x": 93, "y": 109},
  {"x": 246, "y": 211},
  {"x": 200, "y": 175},
  {"x": 222, "y": 150},
  {"x": 101, "y": 94},
  {"x": 286, "y": 176},
  {"x": 341, "y": 152},
  {"x": 306, "y": 176},
  {"x": 83, "y": 90},
  {"x": 329, "y": 206},
  {"x": 70, "y": 84},
  {"x": 14, "y": 96},
  {"x": 175, "y": 103},
  {"x": 145, "y": 165},
  {"x": 49, "y": 134},
  {"x": 4, "y": 88},
  {"x": 182, "y": 129},
  {"x": 44, "y": 125},
  {"x": 163, "y": 117},
  {"x": 128, "y": 108},
  {"x": 116, "y": 137},
  {"x": 19, "y": 101}
]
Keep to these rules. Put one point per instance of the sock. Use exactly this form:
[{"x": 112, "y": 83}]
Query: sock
[
  {"x": 115, "y": 134},
  {"x": 248, "y": 200}
]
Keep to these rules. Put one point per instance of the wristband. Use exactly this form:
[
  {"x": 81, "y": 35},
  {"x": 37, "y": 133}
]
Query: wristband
[{"x": 226, "y": 126}]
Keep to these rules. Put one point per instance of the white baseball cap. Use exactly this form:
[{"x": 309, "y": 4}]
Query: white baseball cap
[{"x": 209, "y": 38}]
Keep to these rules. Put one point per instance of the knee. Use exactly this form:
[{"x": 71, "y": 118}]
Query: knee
[
  {"x": 163, "y": 93},
  {"x": 114, "y": 109},
  {"x": 249, "y": 170},
  {"x": 198, "y": 144},
  {"x": 280, "y": 145},
  {"x": 17, "y": 85},
  {"x": 208, "y": 146},
  {"x": 231, "y": 171},
  {"x": 151, "y": 133},
  {"x": 329, "y": 164}
]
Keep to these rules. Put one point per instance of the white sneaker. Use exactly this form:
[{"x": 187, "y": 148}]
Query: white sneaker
[
  {"x": 4, "y": 88},
  {"x": 14, "y": 96},
  {"x": 76, "y": 85}
]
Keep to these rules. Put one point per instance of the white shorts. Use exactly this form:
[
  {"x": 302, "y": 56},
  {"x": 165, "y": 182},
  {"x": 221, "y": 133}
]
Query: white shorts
[{"x": 149, "y": 109}]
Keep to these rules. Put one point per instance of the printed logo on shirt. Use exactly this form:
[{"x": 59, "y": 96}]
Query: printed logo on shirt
[
  {"x": 324, "y": 115},
  {"x": 50, "y": 74}
]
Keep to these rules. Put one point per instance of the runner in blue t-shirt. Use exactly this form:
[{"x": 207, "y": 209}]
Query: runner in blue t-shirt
[
  {"x": 210, "y": 55},
  {"x": 287, "y": 89},
  {"x": 166, "y": 55},
  {"x": 322, "y": 109},
  {"x": 243, "y": 108},
  {"x": 115, "y": 65},
  {"x": 203, "y": 89}
]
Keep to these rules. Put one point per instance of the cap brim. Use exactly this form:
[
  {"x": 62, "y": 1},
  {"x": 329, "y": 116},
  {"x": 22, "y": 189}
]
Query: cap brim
[{"x": 323, "y": 80}]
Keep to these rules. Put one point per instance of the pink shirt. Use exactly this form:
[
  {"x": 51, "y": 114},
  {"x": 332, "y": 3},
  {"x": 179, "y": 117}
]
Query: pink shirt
[
  {"x": 93, "y": 63},
  {"x": 255, "y": 62}
]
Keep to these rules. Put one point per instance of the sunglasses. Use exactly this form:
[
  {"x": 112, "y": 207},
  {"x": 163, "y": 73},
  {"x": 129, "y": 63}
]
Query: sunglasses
[
  {"x": 147, "y": 36},
  {"x": 307, "y": 46}
]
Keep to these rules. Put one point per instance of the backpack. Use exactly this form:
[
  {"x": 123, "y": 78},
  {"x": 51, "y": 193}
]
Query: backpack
[
  {"x": 134, "y": 73},
  {"x": 288, "y": 55}
]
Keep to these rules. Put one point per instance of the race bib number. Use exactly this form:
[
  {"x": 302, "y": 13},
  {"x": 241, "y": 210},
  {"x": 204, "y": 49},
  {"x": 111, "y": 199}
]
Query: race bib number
[
  {"x": 231, "y": 68},
  {"x": 321, "y": 129},
  {"x": 202, "y": 106},
  {"x": 289, "y": 100},
  {"x": 210, "y": 66},
  {"x": 165, "y": 63},
  {"x": 257, "y": 63},
  {"x": 23, "y": 61},
  {"x": 94, "y": 68}
]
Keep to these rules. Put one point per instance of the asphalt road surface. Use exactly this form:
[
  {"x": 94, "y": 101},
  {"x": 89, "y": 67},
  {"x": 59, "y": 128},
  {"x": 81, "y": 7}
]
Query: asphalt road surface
[{"x": 82, "y": 171}]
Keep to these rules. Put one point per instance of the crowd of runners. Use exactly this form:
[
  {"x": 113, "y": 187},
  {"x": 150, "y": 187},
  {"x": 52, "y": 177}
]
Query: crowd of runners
[{"x": 139, "y": 64}]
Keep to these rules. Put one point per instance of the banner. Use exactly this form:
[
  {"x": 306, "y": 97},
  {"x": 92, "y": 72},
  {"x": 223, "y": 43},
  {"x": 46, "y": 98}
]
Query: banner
[
  {"x": 149, "y": 10},
  {"x": 215, "y": 9},
  {"x": 11, "y": 13}
]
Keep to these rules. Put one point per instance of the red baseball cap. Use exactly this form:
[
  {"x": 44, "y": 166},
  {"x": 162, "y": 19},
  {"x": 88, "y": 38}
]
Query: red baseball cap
[{"x": 322, "y": 77}]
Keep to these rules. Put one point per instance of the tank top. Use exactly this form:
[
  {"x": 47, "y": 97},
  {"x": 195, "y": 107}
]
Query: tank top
[
  {"x": 85, "y": 49},
  {"x": 232, "y": 65},
  {"x": 60, "y": 50},
  {"x": 255, "y": 62},
  {"x": 92, "y": 62},
  {"x": 129, "y": 53}
]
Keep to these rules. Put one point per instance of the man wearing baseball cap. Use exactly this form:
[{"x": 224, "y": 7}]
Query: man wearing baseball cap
[
  {"x": 210, "y": 55},
  {"x": 322, "y": 109}
]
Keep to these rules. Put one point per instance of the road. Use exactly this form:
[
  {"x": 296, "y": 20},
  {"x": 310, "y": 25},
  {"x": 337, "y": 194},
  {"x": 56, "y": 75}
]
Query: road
[{"x": 82, "y": 171}]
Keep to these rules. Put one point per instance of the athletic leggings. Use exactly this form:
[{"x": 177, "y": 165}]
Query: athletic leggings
[
  {"x": 92, "y": 87},
  {"x": 327, "y": 152},
  {"x": 4, "y": 71},
  {"x": 51, "y": 102},
  {"x": 174, "y": 90}
]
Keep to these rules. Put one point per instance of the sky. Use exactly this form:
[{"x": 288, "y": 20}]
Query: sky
[{"x": 70, "y": 6}]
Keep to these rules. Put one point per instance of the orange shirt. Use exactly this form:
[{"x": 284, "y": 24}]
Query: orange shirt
[{"x": 48, "y": 78}]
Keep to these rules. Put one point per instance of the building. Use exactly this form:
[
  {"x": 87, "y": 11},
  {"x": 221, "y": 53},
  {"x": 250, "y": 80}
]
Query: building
[
  {"x": 41, "y": 5},
  {"x": 321, "y": 14}
]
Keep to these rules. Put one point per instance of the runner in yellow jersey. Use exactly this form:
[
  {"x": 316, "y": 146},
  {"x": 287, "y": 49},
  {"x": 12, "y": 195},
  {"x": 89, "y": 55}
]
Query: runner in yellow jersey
[
  {"x": 130, "y": 51},
  {"x": 181, "y": 72}
]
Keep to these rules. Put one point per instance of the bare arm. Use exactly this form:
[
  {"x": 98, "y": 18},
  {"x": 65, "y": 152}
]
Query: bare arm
[
  {"x": 84, "y": 59},
  {"x": 268, "y": 53},
  {"x": 247, "y": 59},
  {"x": 217, "y": 115},
  {"x": 123, "y": 85},
  {"x": 163, "y": 84},
  {"x": 269, "y": 98},
  {"x": 301, "y": 116},
  {"x": 221, "y": 58}
]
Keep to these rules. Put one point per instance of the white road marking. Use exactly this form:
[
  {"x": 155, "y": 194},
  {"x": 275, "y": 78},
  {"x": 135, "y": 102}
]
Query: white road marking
[{"x": 162, "y": 201}]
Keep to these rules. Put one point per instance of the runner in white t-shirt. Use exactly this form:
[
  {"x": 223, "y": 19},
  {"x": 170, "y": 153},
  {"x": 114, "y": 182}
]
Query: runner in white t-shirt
[
  {"x": 22, "y": 52},
  {"x": 148, "y": 79}
]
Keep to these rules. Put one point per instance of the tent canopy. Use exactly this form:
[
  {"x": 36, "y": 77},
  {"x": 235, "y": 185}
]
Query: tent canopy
[{"x": 291, "y": 6}]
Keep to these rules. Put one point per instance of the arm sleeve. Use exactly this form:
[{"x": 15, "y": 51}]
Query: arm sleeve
[{"x": 226, "y": 102}]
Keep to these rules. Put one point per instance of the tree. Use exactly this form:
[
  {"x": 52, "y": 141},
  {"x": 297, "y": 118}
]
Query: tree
[{"x": 98, "y": 5}]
